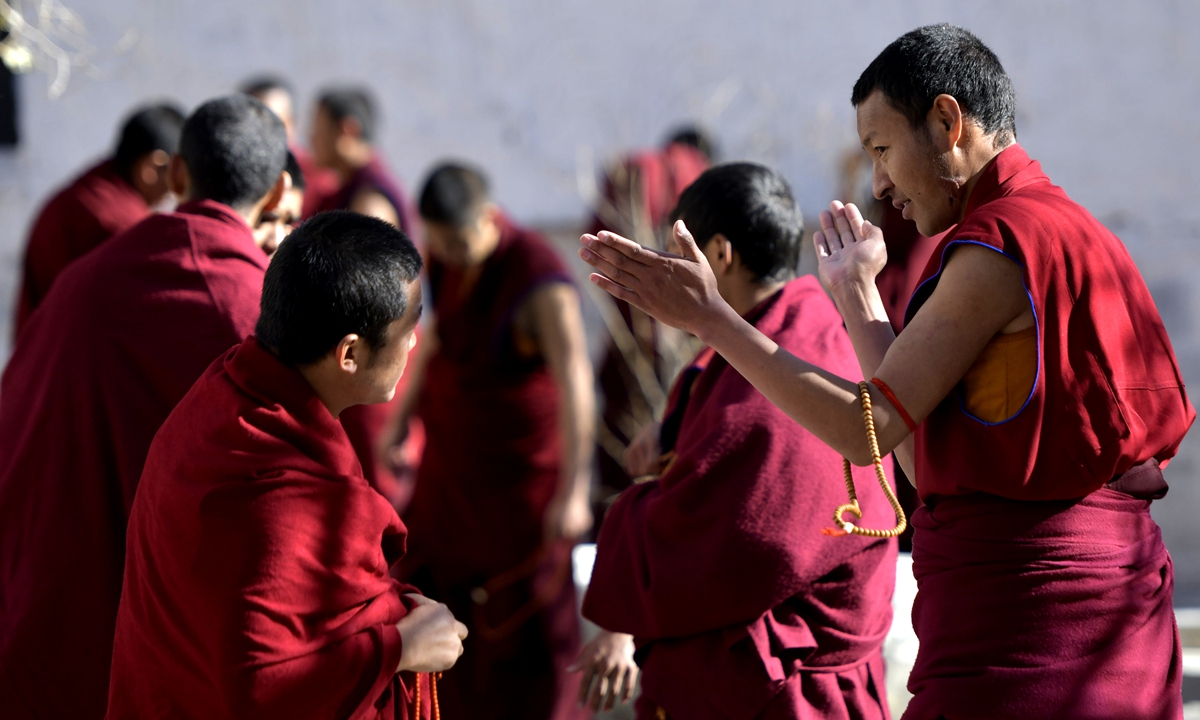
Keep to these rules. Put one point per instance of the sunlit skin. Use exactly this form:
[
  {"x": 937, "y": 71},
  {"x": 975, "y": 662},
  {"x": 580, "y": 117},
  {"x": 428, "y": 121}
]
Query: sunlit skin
[
  {"x": 275, "y": 225},
  {"x": 355, "y": 373},
  {"x": 279, "y": 102},
  {"x": 150, "y": 176},
  {"x": 930, "y": 170},
  {"x": 465, "y": 246}
]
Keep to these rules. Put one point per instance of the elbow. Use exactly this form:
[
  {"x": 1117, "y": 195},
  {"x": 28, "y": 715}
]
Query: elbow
[{"x": 861, "y": 458}]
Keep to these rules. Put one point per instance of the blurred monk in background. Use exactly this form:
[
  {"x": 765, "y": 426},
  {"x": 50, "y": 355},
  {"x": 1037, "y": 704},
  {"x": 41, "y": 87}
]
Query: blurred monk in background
[
  {"x": 505, "y": 389},
  {"x": 107, "y": 199},
  {"x": 119, "y": 339},
  {"x": 320, "y": 183}
]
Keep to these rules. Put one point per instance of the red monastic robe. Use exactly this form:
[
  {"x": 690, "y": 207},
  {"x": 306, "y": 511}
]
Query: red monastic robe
[
  {"x": 1044, "y": 588},
  {"x": 492, "y": 462},
  {"x": 118, "y": 341},
  {"x": 320, "y": 183},
  {"x": 93, "y": 208},
  {"x": 256, "y": 576},
  {"x": 740, "y": 606}
]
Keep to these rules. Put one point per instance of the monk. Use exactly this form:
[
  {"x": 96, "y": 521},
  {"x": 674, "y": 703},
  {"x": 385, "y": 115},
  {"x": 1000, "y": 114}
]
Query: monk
[
  {"x": 109, "y": 353},
  {"x": 275, "y": 224},
  {"x": 278, "y": 94},
  {"x": 344, "y": 128},
  {"x": 739, "y": 607},
  {"x": 107, "y": 199},
  {"x": 256, "y": 576},
  {"x": 1033, "y": 395},
  {"x": 504, "y": 387}
]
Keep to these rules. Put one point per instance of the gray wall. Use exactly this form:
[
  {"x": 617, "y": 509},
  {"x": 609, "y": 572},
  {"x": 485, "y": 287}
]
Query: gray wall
[{"x": 1108, "y": 94}]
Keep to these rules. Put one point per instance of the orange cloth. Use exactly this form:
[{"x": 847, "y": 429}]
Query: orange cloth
[{"x": 998, "y": 384}]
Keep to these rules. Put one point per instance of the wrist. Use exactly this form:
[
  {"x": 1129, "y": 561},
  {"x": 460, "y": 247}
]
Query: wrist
[
  {"x": 858, "y": 299},
  {"x": 711, "y": 326}
]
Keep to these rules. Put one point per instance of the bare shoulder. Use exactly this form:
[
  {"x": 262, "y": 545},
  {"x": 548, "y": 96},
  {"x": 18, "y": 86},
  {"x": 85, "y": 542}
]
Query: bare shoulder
[{"x": 983, "y": 282}]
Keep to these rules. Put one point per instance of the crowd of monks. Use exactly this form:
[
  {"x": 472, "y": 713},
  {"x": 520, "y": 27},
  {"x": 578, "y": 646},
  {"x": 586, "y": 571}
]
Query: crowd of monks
[{"x": 278, "y": 440}]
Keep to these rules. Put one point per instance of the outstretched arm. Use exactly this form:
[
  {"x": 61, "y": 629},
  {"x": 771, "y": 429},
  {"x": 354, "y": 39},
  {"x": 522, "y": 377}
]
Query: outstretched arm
[{"x": 980, "y": 292}]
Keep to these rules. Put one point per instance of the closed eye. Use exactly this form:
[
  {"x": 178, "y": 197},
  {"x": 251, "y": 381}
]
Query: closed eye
[{"x": 879, "y": 150}]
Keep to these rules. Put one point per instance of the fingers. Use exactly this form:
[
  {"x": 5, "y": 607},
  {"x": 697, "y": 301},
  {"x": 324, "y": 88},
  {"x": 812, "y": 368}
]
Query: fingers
[
  {"x": 599, "y": 690},
  {"x": 856, "y": 222},
  {"x": 631, "y": 674},
  {"x": 842, "y": 225},
  {"x": 462, "y": 631},
  {"x": 820, "y": 245},
  {"x": 829, "y": 233},
  {"x": 620, "y": 292}
]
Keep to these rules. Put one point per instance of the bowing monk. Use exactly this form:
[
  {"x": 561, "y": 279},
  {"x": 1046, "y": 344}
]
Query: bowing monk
[
  {"x": 1033, "y": 395},
  {"x": 107, "y": 199},
  {"x": 716, "y": 569},
  {"x": 256, "y": 576},
  {"x": 112, "y": 349},
  {"x": 278, "y": 94},
  {"x": 504, "y": 388}
]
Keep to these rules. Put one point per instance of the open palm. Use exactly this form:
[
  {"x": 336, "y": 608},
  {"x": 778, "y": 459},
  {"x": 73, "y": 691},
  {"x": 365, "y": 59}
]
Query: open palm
[{"x": 849, "y": 249}]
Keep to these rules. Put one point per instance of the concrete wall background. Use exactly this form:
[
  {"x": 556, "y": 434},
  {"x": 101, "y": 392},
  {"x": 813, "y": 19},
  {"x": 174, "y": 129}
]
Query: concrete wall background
[{"x": 1108, "y": 97}]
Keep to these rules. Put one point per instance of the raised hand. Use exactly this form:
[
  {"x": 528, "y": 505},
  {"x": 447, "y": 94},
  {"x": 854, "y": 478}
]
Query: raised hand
[
  {"x": 679, "y": 290},
  {"x": 609, "y": 672},
  {"x": 849, "y": 249}
]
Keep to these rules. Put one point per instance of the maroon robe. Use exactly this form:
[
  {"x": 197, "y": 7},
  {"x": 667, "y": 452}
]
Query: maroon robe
[
  {"x": 492, "y": 462},
  {"x": 256, "y": 579},
  {"x": 1044, "y": 588},
  {"x": 320, "y": 183},
  {"x": 740, "y": 606},
  {"x": 93, "y": 208},
  {"x": 118, "y": 341}
]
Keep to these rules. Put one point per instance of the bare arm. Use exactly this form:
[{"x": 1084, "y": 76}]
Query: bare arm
[
  {"x": 375, "y": 204},
  {"x": 980, "y": 292},
  {"x": 557, "y": 326}
]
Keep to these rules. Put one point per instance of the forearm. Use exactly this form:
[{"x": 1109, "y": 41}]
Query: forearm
[
  {"x": 577, "y": 432},
  {"x": 826, "y": 405}
]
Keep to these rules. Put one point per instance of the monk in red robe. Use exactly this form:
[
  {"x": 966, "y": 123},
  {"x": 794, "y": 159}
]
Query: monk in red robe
[
  {"x": 1033, "y": 395},
  {"x": 106, "y": 357},
  {"x": 717, "y": 570},
  {"x": 344, "y": 128},
  {"x": 256, "y": 576},
  {"x": 107, "y": 199},
  {"x": 504, "y": 387},
  {"x": 320, "y": 183}
]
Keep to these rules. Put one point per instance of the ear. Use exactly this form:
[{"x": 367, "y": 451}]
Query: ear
[
  {"x": 179, "y": 180},
  {"x": 282, "y": 184},
  {"x": 945, "y": 122},
  {"x": 723, "y": 264},
  {"x": 349, "y": 354}
]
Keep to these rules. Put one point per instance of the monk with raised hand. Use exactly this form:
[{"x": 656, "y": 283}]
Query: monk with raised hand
[
  {"x": 120, "y": 338},
  {"x": 108, "y": 199},
  {"x": 256, "y": 582},
  {"x": 1033, "y": 394},
  {"x": 717, "y": 569},
  {"x": 504, "y": 389}
]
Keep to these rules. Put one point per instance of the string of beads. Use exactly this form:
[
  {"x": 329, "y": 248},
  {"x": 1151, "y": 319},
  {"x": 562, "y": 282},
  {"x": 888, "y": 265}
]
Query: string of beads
[
  {"x": 433, "y": 696},
  {"x": 848, "y": 528}
]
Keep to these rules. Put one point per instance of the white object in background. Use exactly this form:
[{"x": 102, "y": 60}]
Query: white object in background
[{"x": 900, "y": 645}]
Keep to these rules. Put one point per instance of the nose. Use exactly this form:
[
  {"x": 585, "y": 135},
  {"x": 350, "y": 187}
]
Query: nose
[{"x": 881, "y": 183}]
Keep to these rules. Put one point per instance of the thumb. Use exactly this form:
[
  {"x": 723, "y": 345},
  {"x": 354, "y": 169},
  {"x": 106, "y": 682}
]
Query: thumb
[{"x": 687, "y": 243}]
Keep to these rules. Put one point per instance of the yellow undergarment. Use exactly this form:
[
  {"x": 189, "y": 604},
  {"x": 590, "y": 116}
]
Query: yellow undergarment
[{"x": 1000, "y": 381}]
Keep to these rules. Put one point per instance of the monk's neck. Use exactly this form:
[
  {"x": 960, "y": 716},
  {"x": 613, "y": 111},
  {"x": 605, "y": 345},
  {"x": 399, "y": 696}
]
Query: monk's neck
[
  {"x": 747, "y": 297},
  {"x": 982, "y": 161}
]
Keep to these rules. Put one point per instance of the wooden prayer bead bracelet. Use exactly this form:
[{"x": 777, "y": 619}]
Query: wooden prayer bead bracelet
[{"x": 849, "y": 528}]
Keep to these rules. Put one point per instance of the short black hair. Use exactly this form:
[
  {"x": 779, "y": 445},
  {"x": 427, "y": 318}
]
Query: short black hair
[
  {"x": 234, "y": 148},
  {"x": 943, "y": 59},
  {"x": 696, "y": 137},
  {"x": 453, "y": 194},
  {"x": 338, "y": 273},
  {"x": 752, "y": 206},
  {"x": 156, "y": 127},
  {"x": 351, "y": 102},
  {"x": 293, "y": 168},
  {"x": 263, "y": 84}
]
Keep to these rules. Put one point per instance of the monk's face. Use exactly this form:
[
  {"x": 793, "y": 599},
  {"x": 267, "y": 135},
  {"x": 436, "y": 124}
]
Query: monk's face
[
  {"x": 467, "y": 245},
  {"x": 385, "y": 365},
  {"x": 279, "y": 102},
  {"x": 909, "y": 170}
]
